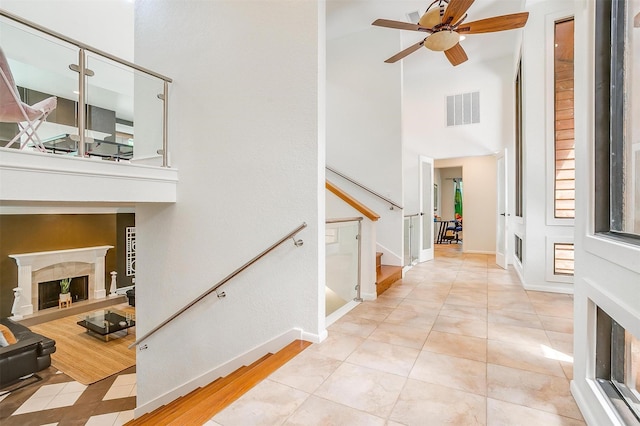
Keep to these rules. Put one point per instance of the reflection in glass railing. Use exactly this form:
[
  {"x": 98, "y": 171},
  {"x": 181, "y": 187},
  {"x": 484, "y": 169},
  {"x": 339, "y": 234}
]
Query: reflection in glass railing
[
  {"x": 342, "y": 263},
  {"x": 118, "y": 109}
]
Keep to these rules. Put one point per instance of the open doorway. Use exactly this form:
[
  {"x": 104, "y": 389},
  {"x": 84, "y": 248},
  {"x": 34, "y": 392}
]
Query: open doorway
[{"x": 449, "y": 210}]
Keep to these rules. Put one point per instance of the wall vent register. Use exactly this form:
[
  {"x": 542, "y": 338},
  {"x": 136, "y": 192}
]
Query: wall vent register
[{"x": 463, "y": 108}]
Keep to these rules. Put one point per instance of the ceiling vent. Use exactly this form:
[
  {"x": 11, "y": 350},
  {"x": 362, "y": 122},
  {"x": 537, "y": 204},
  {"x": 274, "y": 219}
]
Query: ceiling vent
[
  {"x": 413, "y": 17},
  {"x": 463, "y": 109}
]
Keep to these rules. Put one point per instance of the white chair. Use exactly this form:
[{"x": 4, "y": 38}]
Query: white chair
[{"x": 13, "y": 110}]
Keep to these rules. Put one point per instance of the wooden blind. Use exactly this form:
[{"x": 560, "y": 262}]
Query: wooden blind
[
  {"x": 565, "y": 159},
  {"x": 563, "y": 259}
]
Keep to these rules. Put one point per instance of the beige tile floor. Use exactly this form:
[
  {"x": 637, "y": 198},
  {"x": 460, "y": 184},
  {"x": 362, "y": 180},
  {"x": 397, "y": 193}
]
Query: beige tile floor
[{"x": 456, "y": 342}]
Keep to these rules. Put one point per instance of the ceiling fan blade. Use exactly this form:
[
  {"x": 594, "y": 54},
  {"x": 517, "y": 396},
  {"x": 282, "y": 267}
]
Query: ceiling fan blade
[
  {"x": 456, "y": 55},
  {"x": 497, "y": 23},
  {"x": 456, "y": 10},
  {"x": 409, "y": 50},
  {"x": 387, "y": 23}
]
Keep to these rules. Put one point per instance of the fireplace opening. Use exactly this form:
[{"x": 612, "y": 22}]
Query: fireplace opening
[{"x": 49, "y": 291}]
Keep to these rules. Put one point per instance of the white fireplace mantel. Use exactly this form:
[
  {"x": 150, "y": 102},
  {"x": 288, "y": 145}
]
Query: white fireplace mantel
[{"x": 28, "y": 263}]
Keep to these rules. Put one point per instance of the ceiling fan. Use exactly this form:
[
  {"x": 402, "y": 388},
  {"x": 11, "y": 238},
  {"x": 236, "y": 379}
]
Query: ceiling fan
[{"x": 443, "y": 22}]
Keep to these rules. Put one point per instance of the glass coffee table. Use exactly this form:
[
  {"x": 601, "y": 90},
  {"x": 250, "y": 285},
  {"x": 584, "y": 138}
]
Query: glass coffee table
[{"x": 107, "y": 323}]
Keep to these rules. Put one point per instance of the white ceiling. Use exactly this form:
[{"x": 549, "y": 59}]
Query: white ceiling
[{"x": 349, "y": 16}]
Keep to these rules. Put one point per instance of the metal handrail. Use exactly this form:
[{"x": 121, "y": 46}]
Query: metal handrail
[
  {"x": 222, "y": 282},
  {"x": 412, "y": 215},
  {"x": 345, "y": 219},
  {"x": 81, "y": 44},
  {"x": 393, "y": 204}
]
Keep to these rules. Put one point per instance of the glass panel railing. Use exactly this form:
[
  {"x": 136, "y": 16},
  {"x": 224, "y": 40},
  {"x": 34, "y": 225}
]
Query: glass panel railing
[
  {"x": 120, "y": 106},
  {"x": 342, "y": 264},
  {"x": 411, "y": 239},
  {"x": 39, "y": 67}
]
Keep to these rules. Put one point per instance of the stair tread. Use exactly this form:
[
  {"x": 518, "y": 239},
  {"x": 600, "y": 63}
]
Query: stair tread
[
  {"x": 201, "y": 404},
  {"x": 386, "y": 276}
]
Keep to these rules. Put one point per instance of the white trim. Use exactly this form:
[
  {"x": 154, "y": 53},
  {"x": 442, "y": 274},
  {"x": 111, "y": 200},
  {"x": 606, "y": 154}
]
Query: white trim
[
  {"x": 588, "y": 399},
  {"x": 614, "y": 251},
  {"x": 557, "y": 288},
  {"x": 550, "y": 241},
  {"x": 368, "y": 296},
  {"x": 478, "y": 251},
  {"x": 340, "y": 312},
  {"x": 550, "y": 21},
  {"x": 391, "y": 258},
  {"x": 247, "y": 358}
]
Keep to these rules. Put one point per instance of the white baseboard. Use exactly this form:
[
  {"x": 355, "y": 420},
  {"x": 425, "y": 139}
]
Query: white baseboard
[
  {"x": 369, "y": 296},
  {"x": 247, "y": 358},
  {"x": 477, "y": 251},
  {"x": 553, "y": 288},
  {"x": 314, "y": 338}
]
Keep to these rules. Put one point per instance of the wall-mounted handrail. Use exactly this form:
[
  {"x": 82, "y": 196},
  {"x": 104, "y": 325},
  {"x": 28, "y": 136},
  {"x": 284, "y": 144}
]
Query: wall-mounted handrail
[
  {"x": 344, "y": 219},
  {"x": 382, "y": 197},
  {"x": 412, "y": 215},
  {"x": 81, "y": 44},
  {"x": 222, "y": 282}
]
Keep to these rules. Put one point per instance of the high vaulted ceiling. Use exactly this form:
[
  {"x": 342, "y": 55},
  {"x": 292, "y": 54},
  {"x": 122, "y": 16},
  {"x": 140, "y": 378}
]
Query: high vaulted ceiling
[{"x": 348, "y": 16}]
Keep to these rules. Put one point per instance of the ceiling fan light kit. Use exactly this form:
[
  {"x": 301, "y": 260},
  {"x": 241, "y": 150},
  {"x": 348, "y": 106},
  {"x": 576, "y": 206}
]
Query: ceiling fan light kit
[
  {"x": 442, "y": 40},
  {"x": 443, "y": 25}
]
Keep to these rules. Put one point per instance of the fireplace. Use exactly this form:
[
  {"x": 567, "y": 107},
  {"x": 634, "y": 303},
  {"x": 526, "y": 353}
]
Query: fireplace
[
  {"x": 49, "y": 291},
  {"x": 40, "y": 267}
]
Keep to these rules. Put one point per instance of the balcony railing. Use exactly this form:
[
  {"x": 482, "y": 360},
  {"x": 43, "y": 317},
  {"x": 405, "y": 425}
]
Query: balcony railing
[{"x": 107, "y": 108}]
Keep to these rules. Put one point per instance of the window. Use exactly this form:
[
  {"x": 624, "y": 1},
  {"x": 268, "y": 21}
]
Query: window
[
  {"x": 617, "y": 163},
  {"x": 518, "y": 142},
  {"x": 618, "y": 366},
  {"x": 518, "y": 248},
  {"x": 564, "y": 142},
  {"x": 563, "y": 259}
]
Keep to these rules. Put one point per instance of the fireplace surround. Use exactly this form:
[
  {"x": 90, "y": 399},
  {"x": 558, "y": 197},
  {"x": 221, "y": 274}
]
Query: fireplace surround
[{"x": 34, "y": 268}]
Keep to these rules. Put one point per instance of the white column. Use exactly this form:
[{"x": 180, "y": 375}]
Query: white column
[
  {"x": 99, "y": 291},
  {"x": 24, "y": 282}
]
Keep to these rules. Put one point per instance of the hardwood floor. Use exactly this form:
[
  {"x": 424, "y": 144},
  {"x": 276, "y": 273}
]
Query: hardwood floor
[{"x": 200, "y": 405}]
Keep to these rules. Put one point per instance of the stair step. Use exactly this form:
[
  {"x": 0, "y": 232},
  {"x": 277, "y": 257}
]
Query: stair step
[
  {"x": 201, "y": 404},
  {"x": 386, "y": 277}
]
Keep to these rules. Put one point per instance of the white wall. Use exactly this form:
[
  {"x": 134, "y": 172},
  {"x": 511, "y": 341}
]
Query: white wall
[
  {"x": 478, "y": 201},
  {"x": 607, "y": 271},
  {"x": 103, "y": 24},
  {"x": 538, "y": 228},
  {"x": 244, "y": 129},
  {"x": 425, "y": 131},
  {"x": 363, "y": 126}
]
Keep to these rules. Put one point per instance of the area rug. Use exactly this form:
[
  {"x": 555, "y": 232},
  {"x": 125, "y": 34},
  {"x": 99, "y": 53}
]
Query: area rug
[{"x": 84, "y": 357}]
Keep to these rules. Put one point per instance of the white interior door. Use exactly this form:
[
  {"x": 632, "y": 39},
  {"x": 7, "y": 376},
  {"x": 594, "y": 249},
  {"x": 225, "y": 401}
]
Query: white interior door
[
  {"x": 426, "y": 209},
  {"x": 502, "y": 259}
]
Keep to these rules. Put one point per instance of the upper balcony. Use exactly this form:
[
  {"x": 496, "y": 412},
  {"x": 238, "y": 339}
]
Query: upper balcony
[{"x": 78, "y": 124}]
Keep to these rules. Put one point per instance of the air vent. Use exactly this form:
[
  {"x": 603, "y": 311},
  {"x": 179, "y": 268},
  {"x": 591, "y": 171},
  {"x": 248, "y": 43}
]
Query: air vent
[
  {"x": 463, "y": 109},
  {"x": 413, "y": 16}
]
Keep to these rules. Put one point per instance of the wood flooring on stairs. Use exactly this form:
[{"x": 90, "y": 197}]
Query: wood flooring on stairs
[
  {"x": 386, "y": 275},
  {"x": 203, "y": 403}
]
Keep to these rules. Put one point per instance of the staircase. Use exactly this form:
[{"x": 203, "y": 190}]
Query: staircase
[
  {"x": 200, "y": 405},
  {"x": 385, "y": 275}
]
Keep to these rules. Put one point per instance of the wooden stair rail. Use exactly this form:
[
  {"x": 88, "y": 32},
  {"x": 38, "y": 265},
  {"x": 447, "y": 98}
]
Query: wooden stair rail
[
  {"x": 366, "y": 211},
  {"x": 222, "y": 282}
]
